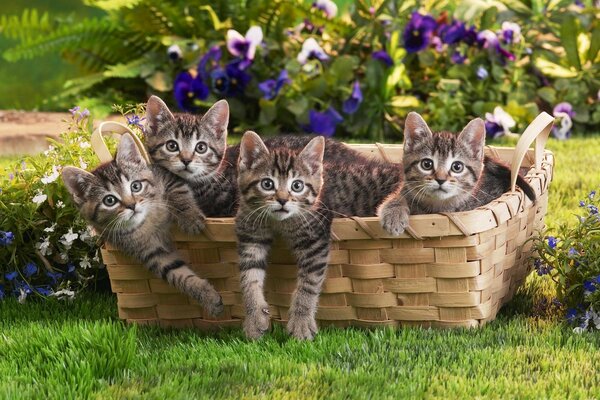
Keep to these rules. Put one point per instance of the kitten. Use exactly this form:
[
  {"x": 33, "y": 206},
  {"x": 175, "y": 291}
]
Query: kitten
[
  {"x": 129, "y": 203},
  {"x": 194, "y": 149},
  {"x": 291, "y": 192},
  {"x": 446, "y": 172}
]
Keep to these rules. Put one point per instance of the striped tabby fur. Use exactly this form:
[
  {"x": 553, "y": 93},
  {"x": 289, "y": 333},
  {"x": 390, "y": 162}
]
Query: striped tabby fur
[
  {"x": 288, "y": 190},
  {"x": 446, "y": 172},
  {"x": 194, "y": 150},
  {"x": 130, "y": 203}
]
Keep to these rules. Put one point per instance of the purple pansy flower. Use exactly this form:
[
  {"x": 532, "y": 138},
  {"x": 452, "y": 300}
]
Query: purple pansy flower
[
  {"x": 418, "y": 32},
  {"x": 457, "y": 58},
  {"x": 30, "y": 269},
  {"x": 271, "y": 87},
  {"x": 564, "y": 112},
  {"x": 452, "y": 33},
  {"x": 238, "y": 77},
  {"x": 489, "y": 40},
  {"x": 311, "y": 49},
  {"x": 353, "y": 102},
  {"x": 324, "y": 123},
  {"x": 6, "y": 238},
  {"x": 510, "y": 32},
  {"x": 220, "y": 81},
  {"x": 498, "y": 123},
  {"x": 212, "y": 57},
  {"x": 188, "y": 88},
  {"x": 437, "y": 44},
  {"x": 328, "y": 7},
  {"x": 383, "y": 56},
  {"x": 244, "y": 47}
]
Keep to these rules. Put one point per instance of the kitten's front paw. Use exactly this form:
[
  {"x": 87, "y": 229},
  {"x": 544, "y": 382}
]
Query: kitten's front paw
[
  {"x": 394, "y": 219},
  {"x": 192, "y": 226},
  {"x": 257, "y": 323},
  {"x": 302, "y": 327},
  {"x": 213, "y": 302}
]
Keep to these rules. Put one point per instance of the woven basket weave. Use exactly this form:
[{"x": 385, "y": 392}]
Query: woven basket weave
[{"x": 448, "y": 270}]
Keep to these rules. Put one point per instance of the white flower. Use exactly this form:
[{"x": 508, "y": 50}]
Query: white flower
[
  {"x": 578, "y": 330},
  {"x": 64, "y": 294},
  {"x": 64, "y": 257},
  {"x": 327, "y": 6},
  {"x": 51, "y": 177},
  {"x": 22, "y": 296},
  {"x": 85, "y": 262},
  {"x": 511, "y": 32},
  {"x": 50, "y": 150},
  {"x": 87, "y": 235},
  {"x": 60, "y": 204},
  {"x": 244, "y": 46},
  {"x": 310, "y": 49},
  {"x": 39, "y": 197},
  {"x": 68, "y": 238},
  {"x": 82, "y": 163},
  {"x": 50, "y": 228},
  {"x": 96, "y": 257},
  {"x": 501, "y": 118},
  {"x": 85, "y": 145},
  {"x": 44, "y": 247}
]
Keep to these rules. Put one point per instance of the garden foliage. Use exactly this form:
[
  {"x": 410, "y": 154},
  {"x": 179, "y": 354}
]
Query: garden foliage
[
  {"x": 571, "y": 258},
  {"x": 299, "y": 65}
]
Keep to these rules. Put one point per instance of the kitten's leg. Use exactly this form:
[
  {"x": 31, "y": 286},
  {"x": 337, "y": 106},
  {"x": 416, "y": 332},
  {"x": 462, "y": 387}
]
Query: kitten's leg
[
  {"x": 189, "y": 216},
  {"x": 253, "y": 248},
  {"x": 165, "y": 263},
  {"x": 394, "y": 213},
  {"x": 312, "y": 254}
]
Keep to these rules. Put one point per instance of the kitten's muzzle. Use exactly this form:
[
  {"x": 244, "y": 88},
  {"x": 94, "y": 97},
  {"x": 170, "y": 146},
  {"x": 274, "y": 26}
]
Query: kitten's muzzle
[{"x": 130, "y": 206}]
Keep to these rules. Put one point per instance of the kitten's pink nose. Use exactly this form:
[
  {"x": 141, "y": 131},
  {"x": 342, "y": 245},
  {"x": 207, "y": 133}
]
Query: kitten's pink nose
[{"x": 440, "y": 181}]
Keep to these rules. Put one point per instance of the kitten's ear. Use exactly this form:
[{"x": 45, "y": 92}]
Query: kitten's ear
[
  {"x": 128, "y": 152},
  {"x": 312, "y": 154},
  {"x": 216, "y": 119},
  {"x": 252, "y": 149},
  {"x": 157, "y": 114},
  {"x": 415, "y": 130},
  {"x": 77, "y": 182},
  {"x": 473, "y": 135}
]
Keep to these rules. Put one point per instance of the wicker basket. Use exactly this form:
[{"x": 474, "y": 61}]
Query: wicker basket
[{"x": 448, "y": 270}]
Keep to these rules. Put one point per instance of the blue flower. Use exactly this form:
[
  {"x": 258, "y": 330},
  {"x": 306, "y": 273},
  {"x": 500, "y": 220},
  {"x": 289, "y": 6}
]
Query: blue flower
[
  {"x": 457, "y": 58},
  {"x": 452, "y": 33},
  {"x": 324, "y": 123},
  {"x": 592, "y": 195},
  {"x": 271, "y": 87},
  {"x": 552, "y": 241},
  {"x": 573, "y": 252},
  {"x": 44, "y": 290},
  {"x": 6, "y": 238},
  {"x": 70, "y": 268},
  {"x": 581, "y": 203},
  {"x": 589, "y": 286},
  {"x": 418, "y": 32},
  {"x": 593, "y": 209},
  {"x": 383, "y": 56},
  {"x": 135, "y": 120},
  {"x": 188, "y": 88},
  {"x": 571, "y": 314},
  {"x": 54, "y": 276},
  {"x": 482, "y": 73},
  {"x": 220, "y": 81},
  {"x": 208, "y": 62},
  {"x": 30, "y": 269},
  {"x": 11, "y": 275},
  {"x": 351, "y": 104}
]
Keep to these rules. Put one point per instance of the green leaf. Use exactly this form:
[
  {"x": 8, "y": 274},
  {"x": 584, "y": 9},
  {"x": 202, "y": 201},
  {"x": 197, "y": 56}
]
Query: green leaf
[
  {"x": 298, "y": 107},
  {"x": 268, "y": 112},
  {"x": 343, "y": 68},
  {"x": 403, "y": 102},
  {"x": 217, "y": 24},
  {"x": 594, "y": 44},
  {"x": 160, "y": 81},
  {"x": 488, "y": 18},
  {"x": 547, "y": 94},
  {"x": 554, "y": 70},
  {"x": 568, "y": 36}
]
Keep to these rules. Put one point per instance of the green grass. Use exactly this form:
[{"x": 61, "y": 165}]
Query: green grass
[{"x": 81, "y": 350}]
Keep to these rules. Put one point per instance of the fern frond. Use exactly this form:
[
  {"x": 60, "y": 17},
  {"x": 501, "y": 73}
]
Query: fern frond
[{"x": 25, "y": 28}]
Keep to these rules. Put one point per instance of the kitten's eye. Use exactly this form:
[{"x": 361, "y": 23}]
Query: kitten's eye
[
  {"x": 172, "y": 146},
  {"x": 297, "y": 186},
  {"x": 201, "y": 147},
  {"x": 427, "y": 164},
  {"x": 267, "y": 184},
  {"x": 457, "y": 167},
  {"x": 136, "y": 186},
  {"x": 109, "y": 200}
]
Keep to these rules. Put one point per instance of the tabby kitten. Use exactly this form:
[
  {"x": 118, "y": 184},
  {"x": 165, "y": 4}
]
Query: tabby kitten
[
  {"x": 291, "y": 192},
  {"x": 129, "y": 203},
  {"x": 446, "y": 172},
  {"x": 194, "y": 149}
]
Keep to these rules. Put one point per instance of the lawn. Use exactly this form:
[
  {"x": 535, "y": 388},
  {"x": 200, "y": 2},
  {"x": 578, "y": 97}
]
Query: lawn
[{"x": 52, "y": 349}]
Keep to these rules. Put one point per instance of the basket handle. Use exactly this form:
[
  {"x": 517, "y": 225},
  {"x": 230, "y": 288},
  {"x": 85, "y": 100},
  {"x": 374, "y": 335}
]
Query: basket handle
[
  {"x": 538, "y": 131},
  {"x": 112, "y": 127}
]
